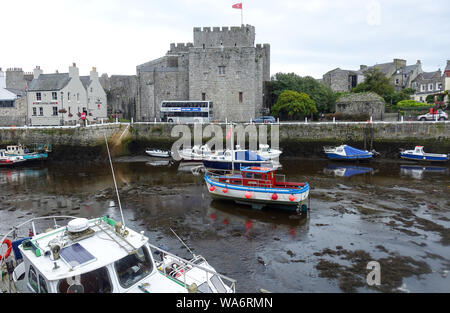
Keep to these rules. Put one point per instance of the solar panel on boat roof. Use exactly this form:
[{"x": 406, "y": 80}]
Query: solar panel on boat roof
[{"x": 75, "y": 255}]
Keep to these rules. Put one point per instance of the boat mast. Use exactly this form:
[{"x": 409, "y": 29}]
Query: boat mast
[{"x": 232, "y": 149}]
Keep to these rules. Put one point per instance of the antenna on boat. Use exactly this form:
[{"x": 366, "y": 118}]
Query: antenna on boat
[
  {"x": 114, "y": 178},
  {"x": 182, "y": 241}
]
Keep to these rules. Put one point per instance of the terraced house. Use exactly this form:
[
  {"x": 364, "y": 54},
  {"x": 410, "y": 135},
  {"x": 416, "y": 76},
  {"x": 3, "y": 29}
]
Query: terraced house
[{"x": 61, "y": 98}]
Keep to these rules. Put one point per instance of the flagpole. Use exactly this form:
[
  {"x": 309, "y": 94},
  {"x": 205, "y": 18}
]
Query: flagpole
[{"x": 242, "y": 13}]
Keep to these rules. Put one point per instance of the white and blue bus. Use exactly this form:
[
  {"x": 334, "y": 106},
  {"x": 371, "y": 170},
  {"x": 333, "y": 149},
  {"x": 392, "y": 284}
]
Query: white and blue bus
[{"x": 187, "y": 111}]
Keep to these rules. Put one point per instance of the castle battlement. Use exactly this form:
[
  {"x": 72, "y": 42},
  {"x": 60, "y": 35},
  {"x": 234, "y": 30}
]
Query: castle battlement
[
  {"x": 180, "y": 47},
  {"x": 14, "y": 69},
  {"x": 234, "y": 36}
]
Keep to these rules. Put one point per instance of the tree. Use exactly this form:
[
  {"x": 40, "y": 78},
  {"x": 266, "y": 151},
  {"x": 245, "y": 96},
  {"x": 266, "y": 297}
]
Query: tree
[
  {"x": 323, "y": 96},
  {"x": 293, "y": 105},
  {"x": 377, "y": 82}
]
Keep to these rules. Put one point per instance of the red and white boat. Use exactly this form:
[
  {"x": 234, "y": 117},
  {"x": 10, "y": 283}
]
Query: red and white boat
[
  {"x": 259, "y": 187},
  {"x": 8, "y": 160}
]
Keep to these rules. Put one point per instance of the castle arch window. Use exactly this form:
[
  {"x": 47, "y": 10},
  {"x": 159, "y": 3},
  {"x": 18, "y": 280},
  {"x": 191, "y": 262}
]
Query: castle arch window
[
  {"x": 221, "y": 70},
  {"x": 241, "y": 96},
  {"x": 203, "y": 96}
]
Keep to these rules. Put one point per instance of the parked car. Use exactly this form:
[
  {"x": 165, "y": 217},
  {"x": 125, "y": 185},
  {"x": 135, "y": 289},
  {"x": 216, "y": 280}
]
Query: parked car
[
  {"x": 265, "y": 119},
  {"x": 440, "y": 115}
]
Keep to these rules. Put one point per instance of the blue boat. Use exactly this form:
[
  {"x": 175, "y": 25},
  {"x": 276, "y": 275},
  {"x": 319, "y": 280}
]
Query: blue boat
[
  {"x": 222, "y": 160},
  {"x": 419, "y": 155},
  {"x": 347, "y": 153},
  {"x": 25, "y": 153}
]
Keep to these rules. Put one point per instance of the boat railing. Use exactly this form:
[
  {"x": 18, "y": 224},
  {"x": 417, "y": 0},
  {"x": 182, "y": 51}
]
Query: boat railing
[
  {"x": 282, "y": 176},
  {"x": 231, "y": 283}
]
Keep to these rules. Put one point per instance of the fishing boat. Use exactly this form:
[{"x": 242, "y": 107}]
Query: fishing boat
[
  {"x": 258, "y": 187},
  {"x": 98, "y": 255},
  {"x": 418, "y": 154},
  {"x": 158, "y": 153},
  {"x": 25, "y": 153},
  {"x": 195, "y": 154},
  {"x": 347, "y": 153},
  {"x": 8, "y": 160},
  {"x": 234, "y": 160}
]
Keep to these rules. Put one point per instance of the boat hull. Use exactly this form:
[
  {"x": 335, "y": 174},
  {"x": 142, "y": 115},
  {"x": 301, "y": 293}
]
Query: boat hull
[
  {"x": 334, "y": 156},
  {"x": 260, "y": 196},
  {"x": 428, "y": 158},
  {"x": 158, "y": 155}
]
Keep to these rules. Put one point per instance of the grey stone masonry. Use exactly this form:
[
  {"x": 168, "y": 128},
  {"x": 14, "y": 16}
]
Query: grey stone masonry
[
  {"x": 357, "y": 103},
  {"x": 223, "y": 65}
]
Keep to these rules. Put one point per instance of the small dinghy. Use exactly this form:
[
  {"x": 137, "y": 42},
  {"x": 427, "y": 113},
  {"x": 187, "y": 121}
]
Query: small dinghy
[
  {"x": 347, "y": 153},
  {"x": 158, "y": 153},
  {"x": 8, "y": 160},
  {"x": 419, "y": 155}
]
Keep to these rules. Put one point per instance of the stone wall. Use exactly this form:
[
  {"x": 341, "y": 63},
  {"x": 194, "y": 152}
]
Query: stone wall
[
  {"x": 14, "y": 116},
  {"x": 357, "y": 103},
  {"x": 121, "y": 91}
]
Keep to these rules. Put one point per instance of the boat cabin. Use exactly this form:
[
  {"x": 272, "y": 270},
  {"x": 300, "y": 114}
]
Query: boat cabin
[
  {"x": 17, "y": 150},
  {"x": 418, "y": 150}
]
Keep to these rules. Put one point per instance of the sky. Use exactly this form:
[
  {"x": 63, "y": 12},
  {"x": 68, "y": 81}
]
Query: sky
[{"x": 306, "y": 37}]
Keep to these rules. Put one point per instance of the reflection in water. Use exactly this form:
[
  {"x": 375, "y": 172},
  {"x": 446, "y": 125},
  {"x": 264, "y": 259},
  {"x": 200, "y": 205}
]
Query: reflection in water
[
  {"x": 19, "y": 175},
  {"x": 159, "y": 163},
  {"x": 417, "y": 171},
  {"x": 346, "y": 170}
]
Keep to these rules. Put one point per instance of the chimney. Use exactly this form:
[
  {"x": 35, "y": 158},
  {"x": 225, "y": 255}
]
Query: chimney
[
  {"x": 419, "y": 62},
  {"x": 73, "y": 71},
  {"x": 2, "y": 79},
  {"x": 363, "y": 67},
  {"x": 37, "y": 72},
  {"x": 94, "y": 73},
  {"x": 399, "y": 63}
]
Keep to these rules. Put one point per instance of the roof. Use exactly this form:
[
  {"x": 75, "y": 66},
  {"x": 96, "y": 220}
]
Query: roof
[
  {"x": 47, "y": 82},
  {"x": 384, "y": 67},
  {"x": 86, "y": 81},
  {"x": 361, "y": 96}
]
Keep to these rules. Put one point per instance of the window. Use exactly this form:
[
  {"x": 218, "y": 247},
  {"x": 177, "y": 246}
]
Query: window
[
  {"x": 55, "y": 111},
  {"x": 78, "y": 97},
  {"x": 133, "y": 268},
  {"x": 54, "y": 96},
  {"x": 41, "y": 111},
  {"x": 397, "y": 81},
  {"x": 438, "y": 86},
  {"x": 422, "y": 87},
  {"x": 241, "y": 96},
  {"x": 221, "y": 70},
  {"x": 7, "y": 103},
  {"x": 42, "y": 285},
  {"x": 430, "y": 87},
  {"x": 38, "y": 96},
  {"x": 68, "y": 96},
  {"x": 32, "y": 278},
  {"x": 203, "y": 96},
  {"x": 91, "y": 89},
  {"x": 97, "y": 281},
  {"x": 34, "y": 111}
]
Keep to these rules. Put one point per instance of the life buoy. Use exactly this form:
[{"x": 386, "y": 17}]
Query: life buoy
[{"x": 8, "y": 252}]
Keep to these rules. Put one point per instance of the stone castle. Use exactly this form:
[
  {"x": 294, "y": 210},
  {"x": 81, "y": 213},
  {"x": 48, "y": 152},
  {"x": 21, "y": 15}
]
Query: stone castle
[{"x": 222, "y": 65}]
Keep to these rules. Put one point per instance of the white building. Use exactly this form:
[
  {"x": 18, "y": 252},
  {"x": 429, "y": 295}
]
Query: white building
[{"x": 61, "y": 98}]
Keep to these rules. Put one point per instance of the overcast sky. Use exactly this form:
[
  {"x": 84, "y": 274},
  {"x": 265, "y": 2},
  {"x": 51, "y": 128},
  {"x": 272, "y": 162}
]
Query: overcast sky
[{"x": 306, "y": 37}]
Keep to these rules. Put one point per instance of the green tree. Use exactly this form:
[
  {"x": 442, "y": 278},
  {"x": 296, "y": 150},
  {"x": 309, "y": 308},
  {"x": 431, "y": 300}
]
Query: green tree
[
  {"x": 293, "y": 105},
  {"x": 324, "y": 97},
  {"x": 377, "y": 82}
]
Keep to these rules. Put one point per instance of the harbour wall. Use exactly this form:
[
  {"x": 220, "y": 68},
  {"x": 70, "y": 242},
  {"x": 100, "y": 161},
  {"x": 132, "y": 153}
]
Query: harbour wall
[{"x": 295, "y": 139}]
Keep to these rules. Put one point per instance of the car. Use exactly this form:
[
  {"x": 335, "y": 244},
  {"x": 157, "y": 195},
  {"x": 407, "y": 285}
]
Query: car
[
  {"x": 440, "y": 116},
  {"x": 265, "y": 119}
]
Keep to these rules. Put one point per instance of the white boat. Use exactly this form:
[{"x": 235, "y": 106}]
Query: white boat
[
  {"x": 418, "y": 154},
  {"x": 9, "y": 160},
  {"x": 266, "y": 152},
  {"x": 158, "y": 153},
  {"x": 99, "y": 255},
  {"x": 196, "y": 153}
]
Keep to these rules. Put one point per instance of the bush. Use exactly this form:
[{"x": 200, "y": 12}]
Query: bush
[{"x": 410, "y": 103}]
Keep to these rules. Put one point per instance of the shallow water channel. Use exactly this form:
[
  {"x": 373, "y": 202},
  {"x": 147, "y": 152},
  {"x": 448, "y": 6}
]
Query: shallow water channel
[{"x": 396, "y": 213}]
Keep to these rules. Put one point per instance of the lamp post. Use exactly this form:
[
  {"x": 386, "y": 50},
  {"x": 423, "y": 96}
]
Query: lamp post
[{"x": 62, "y": 107}]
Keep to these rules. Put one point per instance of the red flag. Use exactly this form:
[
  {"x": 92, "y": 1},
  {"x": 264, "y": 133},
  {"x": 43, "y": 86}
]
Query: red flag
[
  {"x": 230, "y": 131},
  {"x": 237, "y": 6}
]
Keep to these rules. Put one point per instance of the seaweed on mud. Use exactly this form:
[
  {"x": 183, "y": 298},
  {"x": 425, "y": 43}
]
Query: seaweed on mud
[{"x": 394, "y": 268}]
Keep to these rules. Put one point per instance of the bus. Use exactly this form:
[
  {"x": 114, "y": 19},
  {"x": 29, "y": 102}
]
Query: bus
[{"x": 187, "y": 111}]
